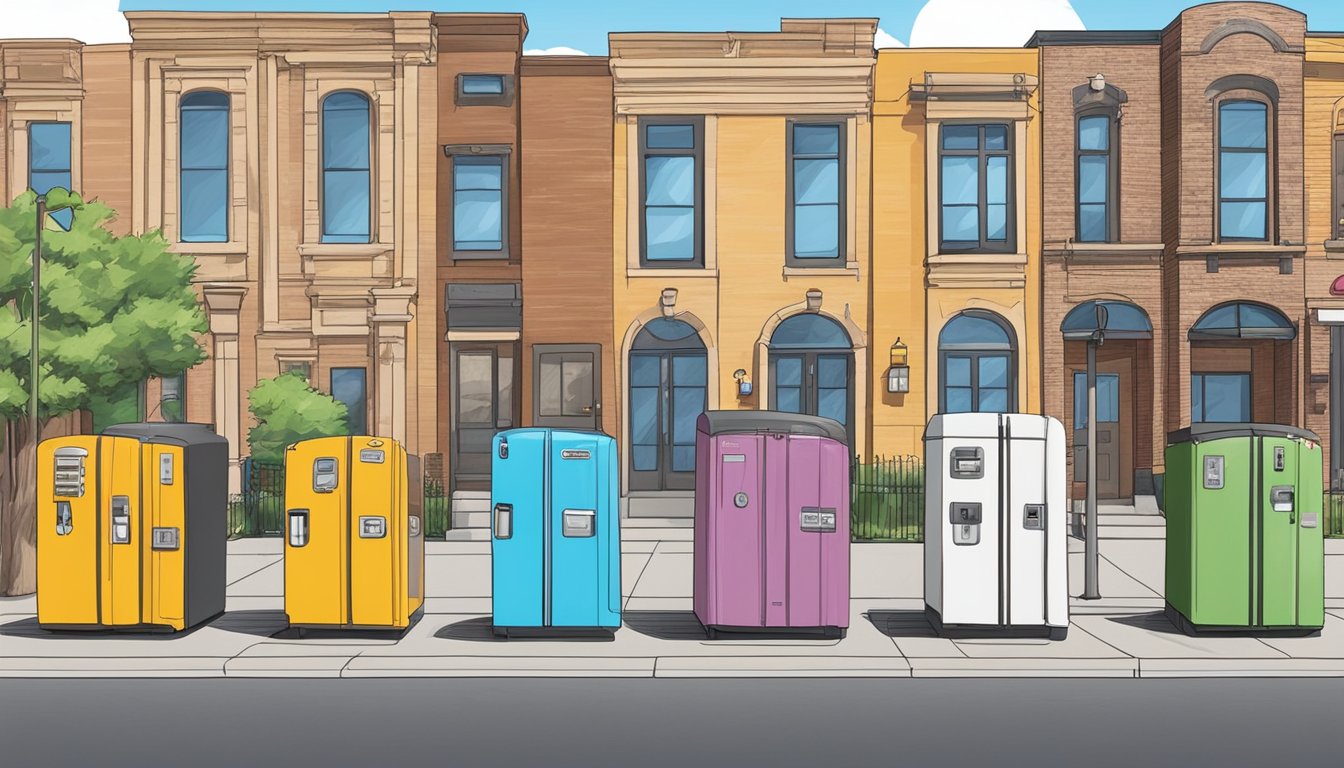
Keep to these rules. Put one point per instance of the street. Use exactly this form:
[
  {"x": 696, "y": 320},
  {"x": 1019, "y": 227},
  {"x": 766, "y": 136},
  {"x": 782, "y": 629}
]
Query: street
[{"x": 668, "y": 722}]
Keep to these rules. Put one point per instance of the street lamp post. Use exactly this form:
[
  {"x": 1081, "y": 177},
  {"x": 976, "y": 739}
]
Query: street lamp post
[
  {"x": 1098, "y": 337},
  {"x": 61, "y": 202}
]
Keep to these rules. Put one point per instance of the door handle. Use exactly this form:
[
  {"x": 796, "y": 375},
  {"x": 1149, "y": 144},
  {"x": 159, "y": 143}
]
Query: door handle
[
  {"x": 121, "y": 520},
  {"x": 587, "y": 409},
  {"x": 503, "y": 521},
  {"x": 298, "y": 527}
]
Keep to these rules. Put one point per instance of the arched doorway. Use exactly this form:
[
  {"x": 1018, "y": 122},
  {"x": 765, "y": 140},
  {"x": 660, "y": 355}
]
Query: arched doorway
[
  {"x": 812, "y": 369},
  {"x": 1125, "y": 393},
  {"x": 1241, "y": 365},
  {"x": 668, "y": 385},
  {"x": 977, "y": 364}
]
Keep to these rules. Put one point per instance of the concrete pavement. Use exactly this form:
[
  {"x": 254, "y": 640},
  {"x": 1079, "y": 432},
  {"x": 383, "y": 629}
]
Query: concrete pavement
[{"x": 1122, "y": 635}]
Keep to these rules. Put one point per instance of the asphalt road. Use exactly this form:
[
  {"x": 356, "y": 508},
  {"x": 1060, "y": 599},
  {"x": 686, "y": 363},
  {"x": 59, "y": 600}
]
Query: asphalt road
[{"x": 638, "y": 723}]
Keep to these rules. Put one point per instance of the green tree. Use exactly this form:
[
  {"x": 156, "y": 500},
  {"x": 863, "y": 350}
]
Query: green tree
[
  {"x": 114, "y": 311},
  {"x": 287, "y": 410}
]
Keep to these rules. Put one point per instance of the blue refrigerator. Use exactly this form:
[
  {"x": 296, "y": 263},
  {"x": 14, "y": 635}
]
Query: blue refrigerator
[{"x": 555, "y": 534}]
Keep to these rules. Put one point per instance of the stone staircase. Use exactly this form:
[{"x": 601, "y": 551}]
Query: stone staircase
[
  {"x": 1140, "y": 520},
  {"x": 471, "y": 516}
]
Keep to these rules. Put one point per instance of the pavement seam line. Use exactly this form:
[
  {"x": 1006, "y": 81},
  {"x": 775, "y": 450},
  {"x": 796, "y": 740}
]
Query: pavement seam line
[
  {"x": 254, "y": 573},
  {"x": 1134, "y": 578},
  {"x": 1096, "y": 637},
  {"x": 626, "y": 605}
]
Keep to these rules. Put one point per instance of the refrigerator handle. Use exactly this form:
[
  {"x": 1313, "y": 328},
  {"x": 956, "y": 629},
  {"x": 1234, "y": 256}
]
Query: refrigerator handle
[{"x": 503, "y": 521}]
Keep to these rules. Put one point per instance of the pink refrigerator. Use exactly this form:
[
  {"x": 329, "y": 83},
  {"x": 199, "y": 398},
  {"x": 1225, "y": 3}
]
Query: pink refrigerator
[{"x": 771, "y": 523}]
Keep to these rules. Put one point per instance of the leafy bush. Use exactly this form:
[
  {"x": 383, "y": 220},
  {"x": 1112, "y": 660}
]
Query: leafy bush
[{"x": 288, "y": 410}]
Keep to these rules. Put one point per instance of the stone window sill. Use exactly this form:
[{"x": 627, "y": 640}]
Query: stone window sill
[
  {"x": 1334, "y": 249},
  {"x": 1241, "y": 250},
  {"x": 850, "y": 269},
  {"x": 711, "y": 274},
  {"x": 344, "y": 250},
  {"x": 211, "y": 249}
]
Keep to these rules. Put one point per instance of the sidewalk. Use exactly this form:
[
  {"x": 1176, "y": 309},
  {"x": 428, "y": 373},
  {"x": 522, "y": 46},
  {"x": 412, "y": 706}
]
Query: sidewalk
[{"x": 1123, "y": 635}]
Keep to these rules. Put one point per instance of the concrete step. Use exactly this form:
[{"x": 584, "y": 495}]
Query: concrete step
[
  {"x": 656, "y": 534},
  {"x": 468, "y": 534},
  {"x": 657, "y": 522},
  {"x": 471, "y": 519},
  {"x": 471, "y": 505},
  {"x": 1125, "y": 521}
]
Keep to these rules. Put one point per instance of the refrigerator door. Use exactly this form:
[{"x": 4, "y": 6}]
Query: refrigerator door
[
  {"x": 376, "y": 520},
  {"x": 316, "y": 504},
  {"x": 518, "y": 485},
  {"x": 1310, "y": 537},
  {"x": 1278, "y": 523},
  {"x": 68, "y": 531},
  {"x": 1221, "y": 516},
  {"x": 737, "y": 508},
  {"x": 804, "y": 515},
  {"x": 833, "y": 499},
  {"x": 123, "y": 594},
  {"x": 971, "y": 573},
  {"x": 1025, "y": 517},
  {"x": 577, "y": 561}
]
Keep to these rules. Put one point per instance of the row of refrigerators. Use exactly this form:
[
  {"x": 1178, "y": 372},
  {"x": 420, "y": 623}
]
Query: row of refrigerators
[{"x": 132, "y": 528}]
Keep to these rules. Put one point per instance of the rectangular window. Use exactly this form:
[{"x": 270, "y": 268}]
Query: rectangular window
[
  {"x": 672, "y": 196},
  {"x": 1096, "y": 178},
  {"x": 1243, "y": 170},
  {"x": 816, "y": 196},
  {"x": 302, "y": 368},
  {"x": 478, "y": 206},
  {"x": 976, "y": 189},
  {"x": 1338, "y": 226},
  {"x": 49, "y": 161},
  {"x": 203, "y": 146},
  {"x": 1220, "y": 397},
  {"x": 173, "y": 398},
  {"x": 346, "y": 160},
  {"x": 348, "y": 386},
  {"x": 484, "y": 90}
]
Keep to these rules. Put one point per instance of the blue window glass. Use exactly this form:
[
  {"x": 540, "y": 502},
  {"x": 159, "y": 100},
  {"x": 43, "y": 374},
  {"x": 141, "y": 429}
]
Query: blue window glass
[
  {"x": 977, "y": 355},
  {"x": 1219, "y": 397},
  {"x": 348, "y": 386},
  {"x": 976, "y": 194},
  {"x": 204, "y": 182},
  {"x": 816, "y": 182},
  {"x": 669, "y": 387},
  {"x": 483, "y": 85},
  {"x": 809, "y": 331},
  {"x": 1243, "y": 170},
  {"x": 671, "y": 171},
  {"x": 478, "y": 203},
  {"x": 346, "y": 203},
  {"x": 49, "y": 162},
  {"x": 1094, "y": 179}
]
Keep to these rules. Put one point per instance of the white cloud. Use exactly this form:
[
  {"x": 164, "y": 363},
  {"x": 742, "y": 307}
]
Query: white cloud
[
  {"x": 559, "y": 50},
  {"x": 91, "y": 21},
  {"x": 976, "y": 23},
  {"x": 884, "y": 40}
]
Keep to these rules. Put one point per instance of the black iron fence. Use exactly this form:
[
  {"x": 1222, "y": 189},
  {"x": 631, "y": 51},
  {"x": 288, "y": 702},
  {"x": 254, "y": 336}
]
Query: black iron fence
[
  {"x": 1334, "y": 514},
  {"x": 887, "y": 499},
  {"x": 260, "y": 509}
]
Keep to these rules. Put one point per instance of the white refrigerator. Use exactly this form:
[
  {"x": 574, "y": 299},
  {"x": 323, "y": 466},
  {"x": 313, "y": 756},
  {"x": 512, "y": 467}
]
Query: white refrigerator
[{"x": 995, "y": 556}]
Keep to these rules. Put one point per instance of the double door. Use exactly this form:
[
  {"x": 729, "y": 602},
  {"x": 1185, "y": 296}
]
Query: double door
[
  {"x": 484, "y": 383},
  {"x": 781, "y": 540},
  {"x": 1287, "y": 552},
  {"x": 813, "y": 383},
  {"x": 548, "y": 563},
  {"x": 668, "y": 393}
]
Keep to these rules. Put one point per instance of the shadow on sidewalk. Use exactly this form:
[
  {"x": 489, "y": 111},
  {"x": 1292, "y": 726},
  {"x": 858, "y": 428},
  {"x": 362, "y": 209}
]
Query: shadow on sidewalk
[
  {"x": 261, "y": 623},
  {"x": 901, "y": 623},
  {"x": 1159, "y": 622},
  {"x": 665, "y": 625},
  {"x": 480, "y": 629},
  {"x": 29, "y": 628}
]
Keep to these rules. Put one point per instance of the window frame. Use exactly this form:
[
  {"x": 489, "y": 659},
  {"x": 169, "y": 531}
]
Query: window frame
[
  {"x": 974, "y": 353},
  {"x": 697, "y": 124},
  {"x": 323, "y": 235},
  {"x": 502, "y": 99},
  {"x": 984, "y": 245},
  {"x": 181, "y": 398},
  {"x": 505, "y": 154},
  {"x": 1337, "y": 188},
  {"x": 1203, "y": 383},
  {"x": 1112, "y": 155},
  {"x": 182, "y": 169},
  {"x": 331, "y": 381},
  {"x": 841, "y": 258},
  {"x": 1270, "y": 153}
]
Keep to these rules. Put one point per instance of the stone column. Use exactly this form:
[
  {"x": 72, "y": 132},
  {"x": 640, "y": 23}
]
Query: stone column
[
  {"x": 388, "y": 318},
  {"x": 222, "y": 303}
]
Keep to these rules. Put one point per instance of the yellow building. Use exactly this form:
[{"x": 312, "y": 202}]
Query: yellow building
[
  {"x": 956, "y": 254},
  {"x": 741, "y": 237}
]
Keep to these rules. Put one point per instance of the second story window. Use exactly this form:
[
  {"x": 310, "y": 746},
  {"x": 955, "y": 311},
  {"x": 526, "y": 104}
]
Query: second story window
[
  {"x": 976, "y": 195},
  {"x": 346, "y": 182},
  {"x": 49, "y": 161},
  {"x": 1243, "y": 170},
  {"x": 672, "y": 195},
  {"x": 479, "y": 221},
  {"x": 816, "y": 194},
  {"x": 484, "y": 90},
  {"x": 1096, "y": 178},
  {"x": 203, "y": 182}
]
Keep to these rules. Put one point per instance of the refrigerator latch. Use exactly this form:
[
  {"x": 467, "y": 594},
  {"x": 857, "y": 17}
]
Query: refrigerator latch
[
  {"x": 1033, "y": 517},
  {"x": 580, "y": 523}
]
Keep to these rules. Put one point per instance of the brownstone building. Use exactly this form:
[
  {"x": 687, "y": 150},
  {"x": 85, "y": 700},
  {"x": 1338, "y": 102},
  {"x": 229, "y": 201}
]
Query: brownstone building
[{"x": 1174, "y": 198}]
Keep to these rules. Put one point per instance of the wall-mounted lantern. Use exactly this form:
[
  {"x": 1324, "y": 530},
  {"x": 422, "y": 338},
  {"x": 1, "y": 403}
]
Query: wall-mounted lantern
[
  {"x": 743, "y": 382},
  {"x": 1097, "y": 82},
  {"x": 898, "y": 376}
]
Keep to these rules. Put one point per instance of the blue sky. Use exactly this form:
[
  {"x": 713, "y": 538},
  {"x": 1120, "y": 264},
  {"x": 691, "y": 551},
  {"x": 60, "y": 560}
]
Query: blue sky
[{"x": 584, "y": 25}]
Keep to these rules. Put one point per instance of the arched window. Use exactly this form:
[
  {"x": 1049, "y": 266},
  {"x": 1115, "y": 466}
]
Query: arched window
[
  {"x": 346, "y": 150},
  {"x": 811, "y": 369},
  {"x": 978, "y": 363},
  {"x": 203, "y": 175},
  {"x": 1243, "y": 170},
  {"x": 1097, "y": 201},
  {"x": 669, "y": 384}
]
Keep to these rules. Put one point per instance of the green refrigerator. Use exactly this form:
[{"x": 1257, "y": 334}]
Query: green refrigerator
[{"x": 1244, "y": 528}]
